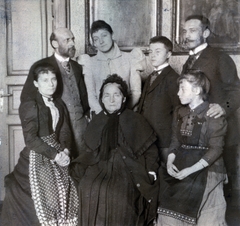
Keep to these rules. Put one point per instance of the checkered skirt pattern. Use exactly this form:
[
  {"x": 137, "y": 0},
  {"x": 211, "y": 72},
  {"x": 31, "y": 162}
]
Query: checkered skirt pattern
[{"x": 53, "y": 191}]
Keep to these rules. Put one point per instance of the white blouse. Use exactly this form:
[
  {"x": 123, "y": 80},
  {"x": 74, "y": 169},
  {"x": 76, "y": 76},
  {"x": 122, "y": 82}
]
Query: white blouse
[{"x": 54, "y": 111}]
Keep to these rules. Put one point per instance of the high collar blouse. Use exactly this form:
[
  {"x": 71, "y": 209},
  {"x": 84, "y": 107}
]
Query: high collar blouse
[{"x": 97, "y": 68}]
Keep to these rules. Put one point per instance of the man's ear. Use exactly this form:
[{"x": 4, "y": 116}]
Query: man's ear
[
  {"x": 206, "y": 33},
  {"x": 169, "y": 54},
  {"x": 55, "y": 44}
]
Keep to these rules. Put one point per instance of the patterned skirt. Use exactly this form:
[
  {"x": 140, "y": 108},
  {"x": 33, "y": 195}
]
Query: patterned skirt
[{"x": 53, "y": 191}]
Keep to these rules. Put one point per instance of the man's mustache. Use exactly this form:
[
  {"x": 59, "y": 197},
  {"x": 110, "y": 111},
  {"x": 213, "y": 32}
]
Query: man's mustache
[{"x": 73, "y": 48}]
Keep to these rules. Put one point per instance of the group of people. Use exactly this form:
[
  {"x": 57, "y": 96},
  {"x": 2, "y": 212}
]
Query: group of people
[{"x": 104, "y": 147}]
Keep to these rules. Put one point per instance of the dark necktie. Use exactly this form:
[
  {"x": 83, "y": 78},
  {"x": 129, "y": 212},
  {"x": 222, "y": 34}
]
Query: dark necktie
[
  {"x": 66, "y": 66},
  {"x": 190, "y": 61},
  {"x": 154, "y": 76}
]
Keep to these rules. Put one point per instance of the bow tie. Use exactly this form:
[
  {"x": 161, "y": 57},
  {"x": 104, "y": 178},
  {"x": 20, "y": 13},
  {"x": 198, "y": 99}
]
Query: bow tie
[{"x": 50, "y": 99}]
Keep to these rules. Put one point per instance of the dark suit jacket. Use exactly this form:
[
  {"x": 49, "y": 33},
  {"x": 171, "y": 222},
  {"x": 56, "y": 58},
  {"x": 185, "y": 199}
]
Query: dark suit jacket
[
  {"x": 29, "y": 91},
  {"x": 157, "y": 104},
  {"x": 224, "y": 86},
  {"x": 222, "y": 74}
]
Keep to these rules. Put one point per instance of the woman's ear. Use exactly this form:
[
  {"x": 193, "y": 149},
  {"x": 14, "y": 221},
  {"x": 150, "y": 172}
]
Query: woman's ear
[
  {"x": 35, "y": 83},
  {"x": 113, "y": 38},
  {"x": 124, "y": 99},
  {"x": 197, "y": 90}
]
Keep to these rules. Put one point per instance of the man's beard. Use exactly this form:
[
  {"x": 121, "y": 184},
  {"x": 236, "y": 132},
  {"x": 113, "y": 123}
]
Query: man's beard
[
  {"x": 71, "y": 52},
  {"x": 67, "y": 53}
]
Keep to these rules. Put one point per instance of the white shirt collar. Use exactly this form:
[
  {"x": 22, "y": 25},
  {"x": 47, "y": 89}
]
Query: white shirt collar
[
  {"x": 60, "y": 58},
  {"x": 161, "y": 66},
  {"x": 198, "y": 49}
]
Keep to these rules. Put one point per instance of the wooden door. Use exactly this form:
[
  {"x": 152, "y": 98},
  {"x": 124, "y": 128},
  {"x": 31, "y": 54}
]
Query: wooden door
[{"x": 25, "y": 27}]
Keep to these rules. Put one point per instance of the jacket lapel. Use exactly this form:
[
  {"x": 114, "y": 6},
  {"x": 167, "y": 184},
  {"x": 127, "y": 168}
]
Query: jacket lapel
[
  {"x": 158, "y": 81},
  {"x": 205, "y": 58},
  {"x": 75, "y": 71}
]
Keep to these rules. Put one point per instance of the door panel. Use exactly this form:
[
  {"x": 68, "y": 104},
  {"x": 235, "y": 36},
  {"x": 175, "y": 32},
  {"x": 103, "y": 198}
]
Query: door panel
[
  {"x": 16, "y": 143},
  {"x": 25, "y": 29}
]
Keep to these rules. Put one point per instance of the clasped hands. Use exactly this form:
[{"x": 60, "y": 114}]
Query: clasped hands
[
  {"x": 62, "y": 158},
  {"x": 174, "y": 172}
]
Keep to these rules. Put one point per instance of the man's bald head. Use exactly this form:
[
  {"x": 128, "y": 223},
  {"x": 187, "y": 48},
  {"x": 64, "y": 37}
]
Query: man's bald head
[{"x": 62, "y": 40}]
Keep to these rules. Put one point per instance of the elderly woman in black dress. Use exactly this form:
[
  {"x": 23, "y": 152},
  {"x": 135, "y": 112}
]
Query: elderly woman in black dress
[
  {"x": 39, "y": 191},
  {"x": 116, "y": 175}
]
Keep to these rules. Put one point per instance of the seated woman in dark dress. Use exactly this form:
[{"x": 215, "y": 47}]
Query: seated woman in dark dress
[
  {"x": 116, "y": 175},
  {"x": 39, "y": 191}
]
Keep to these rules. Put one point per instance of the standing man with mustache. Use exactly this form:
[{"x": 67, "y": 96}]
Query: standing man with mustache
[
  {"x": 71, "y": 86},
  {"x": 218, "y": 66},
  {"x": 225, "y": 85}
]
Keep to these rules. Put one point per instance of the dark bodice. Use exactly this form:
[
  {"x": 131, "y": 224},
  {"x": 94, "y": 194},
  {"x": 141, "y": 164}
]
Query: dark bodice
[
  {"x": 36, "y": 122},
  {"x": 192, "y": 129}
]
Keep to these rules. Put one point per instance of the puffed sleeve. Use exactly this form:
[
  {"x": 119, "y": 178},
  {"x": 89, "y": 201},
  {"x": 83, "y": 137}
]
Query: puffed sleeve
[
  {"x": 138, "y": 68},
  {"x": 87, "y": 64},
  {"x": 141, "y": 63},
  {"x": 216, "y": 130},
  {"x": 28, "y": 112}
]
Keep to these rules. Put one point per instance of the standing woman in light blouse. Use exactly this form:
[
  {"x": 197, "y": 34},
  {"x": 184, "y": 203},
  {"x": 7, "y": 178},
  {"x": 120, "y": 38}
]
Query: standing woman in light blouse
[
  {"x": 109, "y": 60},
  {"x": 40, "y": 191}
]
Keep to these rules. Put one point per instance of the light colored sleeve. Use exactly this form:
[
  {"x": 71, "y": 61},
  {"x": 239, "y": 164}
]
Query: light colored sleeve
[
  {"x": 142, "y": 63},
  {"x": 135, "y": 80},
  {"x": 135, "y": 87},
  {"x": 140, "y": 68},
  {"x": 87, "y": 64}
]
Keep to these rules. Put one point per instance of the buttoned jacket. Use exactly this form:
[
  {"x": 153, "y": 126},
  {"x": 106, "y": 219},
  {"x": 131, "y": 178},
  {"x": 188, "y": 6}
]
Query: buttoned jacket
[{"x": 158, "y": 102}]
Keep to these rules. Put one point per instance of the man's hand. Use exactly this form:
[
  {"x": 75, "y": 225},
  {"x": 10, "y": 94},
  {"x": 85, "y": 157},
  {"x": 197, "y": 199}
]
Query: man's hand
[{"x": 215, "y": 110}]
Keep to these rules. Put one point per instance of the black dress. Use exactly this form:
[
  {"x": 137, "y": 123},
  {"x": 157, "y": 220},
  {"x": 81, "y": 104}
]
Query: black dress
[{"x": 117, "y": 189}]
